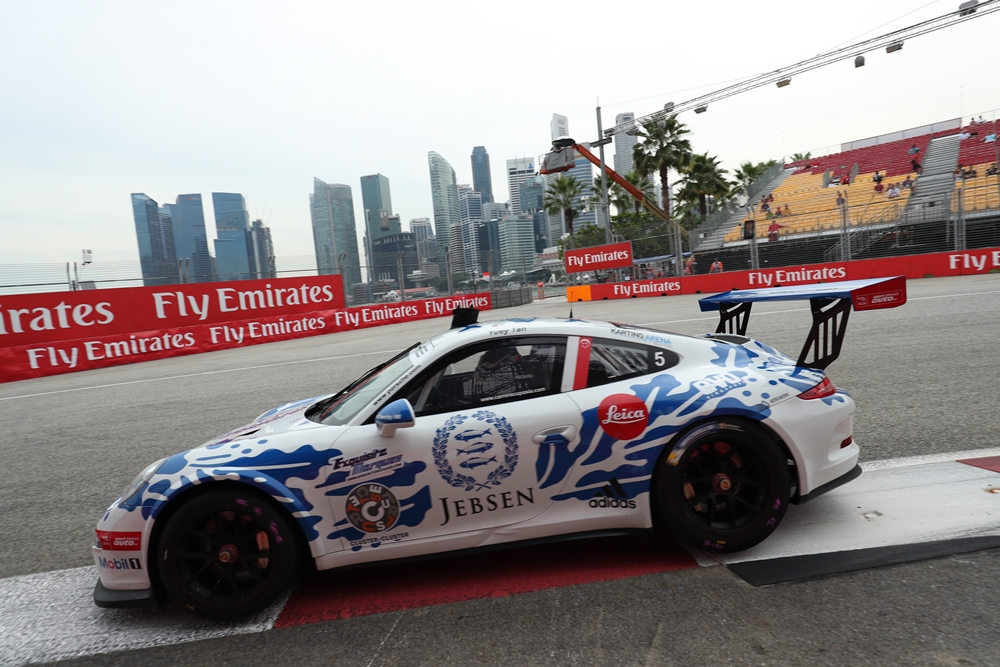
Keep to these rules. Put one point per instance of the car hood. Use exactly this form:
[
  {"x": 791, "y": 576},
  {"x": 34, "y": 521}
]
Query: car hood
[{"x": 284, "y": 418}]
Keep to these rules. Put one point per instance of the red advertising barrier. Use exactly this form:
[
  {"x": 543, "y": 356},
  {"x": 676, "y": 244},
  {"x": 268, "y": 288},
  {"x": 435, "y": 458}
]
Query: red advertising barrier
[
  {"x": 610, "y": 256},
  {"x": 966, "y": 262},
  {"x": 116, "y": 343}
]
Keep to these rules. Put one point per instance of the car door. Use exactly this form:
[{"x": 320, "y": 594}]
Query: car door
[{"x": 489, "y": 418}]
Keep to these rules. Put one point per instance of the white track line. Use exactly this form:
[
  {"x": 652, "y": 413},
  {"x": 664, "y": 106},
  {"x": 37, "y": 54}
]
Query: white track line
[
  {"x": 51, "y": 615},
  {"x": 189, "y": 375}
]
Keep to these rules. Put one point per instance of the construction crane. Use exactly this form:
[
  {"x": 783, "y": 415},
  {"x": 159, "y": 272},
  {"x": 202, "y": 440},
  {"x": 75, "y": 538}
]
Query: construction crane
[{"x": 892, "y": 42}]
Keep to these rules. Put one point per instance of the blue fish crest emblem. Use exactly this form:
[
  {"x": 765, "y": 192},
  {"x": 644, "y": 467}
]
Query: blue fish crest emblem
[{"x": 475, "y": 452}]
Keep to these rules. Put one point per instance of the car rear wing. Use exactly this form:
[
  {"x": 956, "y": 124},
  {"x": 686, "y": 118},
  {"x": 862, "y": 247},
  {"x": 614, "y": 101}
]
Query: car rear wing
[{"x": 830, "y": 303}]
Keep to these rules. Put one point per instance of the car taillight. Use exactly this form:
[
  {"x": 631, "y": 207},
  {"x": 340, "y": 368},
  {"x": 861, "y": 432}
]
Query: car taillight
[{"x": 822, "y": 390}]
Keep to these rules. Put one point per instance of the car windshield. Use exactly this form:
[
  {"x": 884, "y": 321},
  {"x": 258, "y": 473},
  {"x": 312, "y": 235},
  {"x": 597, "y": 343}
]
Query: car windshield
[{"x": 346, "y": 405}]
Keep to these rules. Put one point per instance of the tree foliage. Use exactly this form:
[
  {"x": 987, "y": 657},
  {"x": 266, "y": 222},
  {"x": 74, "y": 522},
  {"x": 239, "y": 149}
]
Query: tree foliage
[{"x": 559, "y": 198}]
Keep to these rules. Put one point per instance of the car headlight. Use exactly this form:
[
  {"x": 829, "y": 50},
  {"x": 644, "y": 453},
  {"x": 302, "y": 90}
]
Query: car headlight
[{"x": 140, "y": 480}]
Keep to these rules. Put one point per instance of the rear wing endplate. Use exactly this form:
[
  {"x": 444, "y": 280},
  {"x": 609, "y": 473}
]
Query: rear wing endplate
[{"x": 830, "y": 303}]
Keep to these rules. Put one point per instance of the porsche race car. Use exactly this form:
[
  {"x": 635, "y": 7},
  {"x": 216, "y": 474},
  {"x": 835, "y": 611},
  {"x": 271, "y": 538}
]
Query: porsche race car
[{"x": 494, "y": 433}]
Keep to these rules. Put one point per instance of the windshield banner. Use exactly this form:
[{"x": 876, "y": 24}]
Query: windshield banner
[{"x": 113, "y": 346}]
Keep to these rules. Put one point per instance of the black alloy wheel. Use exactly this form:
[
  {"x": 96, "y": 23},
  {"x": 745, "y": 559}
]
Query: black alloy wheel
[
  {"x": 227, "y": 555},
  {"x": 723, "y": 486}
]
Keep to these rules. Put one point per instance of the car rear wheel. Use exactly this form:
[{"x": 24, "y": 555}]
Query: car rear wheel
[
  {"x": 227, "y": 555},
  {"x": 723, "y": 486}
]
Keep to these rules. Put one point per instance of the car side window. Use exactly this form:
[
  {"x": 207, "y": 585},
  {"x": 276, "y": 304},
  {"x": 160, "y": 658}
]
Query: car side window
[
  {"x": 491, "y": 372},
  {"x": 612, "y": 360}
]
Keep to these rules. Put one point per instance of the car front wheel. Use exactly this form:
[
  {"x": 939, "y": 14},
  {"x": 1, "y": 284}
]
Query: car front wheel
[
  {"x": 227, "y": 555},
  {"x": 723, "y": 486}
]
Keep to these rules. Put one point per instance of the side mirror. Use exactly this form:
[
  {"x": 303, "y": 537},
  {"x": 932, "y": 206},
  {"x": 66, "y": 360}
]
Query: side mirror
[{"x": 396, "y": 415}]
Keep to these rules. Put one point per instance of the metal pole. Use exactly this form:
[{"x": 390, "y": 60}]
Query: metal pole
[
  {"x": 447, "y": 268},
  {"x": 489, "y": 266},
  {"x": 340, "y": 267},
  {"x": 399, "y": 273},
  {"x": 845, "y": 238},
  {"x": 604, "y": 180}
]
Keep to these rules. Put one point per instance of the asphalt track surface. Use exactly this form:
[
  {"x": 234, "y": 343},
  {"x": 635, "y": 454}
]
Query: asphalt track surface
[{"x": 925, "y": 376}]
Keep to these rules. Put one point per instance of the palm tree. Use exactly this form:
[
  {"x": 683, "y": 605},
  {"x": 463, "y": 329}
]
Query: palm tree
[
  {"x": 559, "y": 198},
  {"x": 662, "y": 147},
  {"x": 798, "y": 157},
  {"x": 704, "y": 178},
  {"x": 747, "y": 173}
]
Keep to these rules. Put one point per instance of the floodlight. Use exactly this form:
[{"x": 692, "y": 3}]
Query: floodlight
[
  {"x": 859, "y": 61},
  {"x": 701, "y": 109},
  {"x": 668, "y": 107},
  {"x": 892, "y": 48},
  {"x": 968, "y": 7},
  {"x": 784, "y": 82}
]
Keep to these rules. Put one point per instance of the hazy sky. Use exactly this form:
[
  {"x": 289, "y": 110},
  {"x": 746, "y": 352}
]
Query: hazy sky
[{"x": 102, "y": 99}]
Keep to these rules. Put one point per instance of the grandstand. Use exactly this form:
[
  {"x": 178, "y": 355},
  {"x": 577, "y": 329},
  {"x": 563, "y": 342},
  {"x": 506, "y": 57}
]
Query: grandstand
[{"x": 930, "y": 215}]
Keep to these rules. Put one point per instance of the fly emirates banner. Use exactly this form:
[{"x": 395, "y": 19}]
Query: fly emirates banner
[{"x": 62, "y": 332}]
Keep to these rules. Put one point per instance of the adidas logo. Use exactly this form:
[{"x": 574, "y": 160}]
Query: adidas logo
[{"x": 612, "y": 495}]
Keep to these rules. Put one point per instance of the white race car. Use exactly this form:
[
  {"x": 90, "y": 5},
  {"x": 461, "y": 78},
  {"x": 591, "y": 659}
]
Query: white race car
[{"x": 497, "y": 432}]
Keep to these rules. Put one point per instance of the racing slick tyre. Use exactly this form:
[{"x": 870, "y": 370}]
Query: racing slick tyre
[
  {"x": 227, "y": 555},
  {"x": 723, "y": 486}
]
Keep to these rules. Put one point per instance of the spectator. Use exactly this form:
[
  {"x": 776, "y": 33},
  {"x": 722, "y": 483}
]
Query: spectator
[
  {"x": 765, "y": 207},
  {"x": 840, "y": 199},
  {"x": 786, "y": 211},
  {"x": 716, "y": 266},
  {"x": 913, "y": 150},
  {"x": 769, "y": 214},
  {"x": 916, "y": 166},
  {"x": 845, "y": 179},
  {"x": 877, "y": 178},
  {"x": 772, "y": 231},
  {"x": 770, "y": 198},
  {"x": 969, "y": 173},
  {"x": 965, "y": 134},
  {"x": 691, "y": 265},
  {"x": 879, "y": 188},
  {"x": 893, "y": 191},
  {"x": 959, "y": 172},
  {"x": 980, "y": 121},
  {"x": 993, "y": 170},
  {"x": 907, "y": 182}
]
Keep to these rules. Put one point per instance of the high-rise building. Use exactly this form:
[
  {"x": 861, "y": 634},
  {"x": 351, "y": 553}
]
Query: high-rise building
[
  {"x": 264, "y": 250},
  {"x": 331, "y": 207},
  {"x": 517, "y": 243},
  {"x": 559, "y": 126},
  {"x": 519, "y": 171},
  {"x": 447, "y": 213},
  {"x": 190, "y": 239},
  {"x": 385, "y": 252},
  {"x": 377, "y": 211},
  {"x": 482, "y": 182},
  {"x": 235, "y": 254},
  {"x": 495, "y": 210},
  {"x": 154, "y": 233},
  {"x": 471, "y": 209},
  {"x": 623, "y": 145},
  {"x": 533, "y": 204},
  {"x": 421, "y": 228}
]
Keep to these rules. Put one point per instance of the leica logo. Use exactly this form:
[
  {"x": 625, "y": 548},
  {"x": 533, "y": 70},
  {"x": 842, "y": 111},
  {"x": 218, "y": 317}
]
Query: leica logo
[
  {"x": 618, "y": 415},
  {"x": 623, "y": 416}
]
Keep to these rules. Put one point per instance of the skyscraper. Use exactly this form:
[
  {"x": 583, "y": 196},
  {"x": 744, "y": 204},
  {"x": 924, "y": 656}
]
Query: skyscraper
[
  {"x": 264, "y": 250},
  {"x": 154, "y": 234},
  {"x": 190, "y": 239},
  {"x": 235, "y": 254},
  {"x": 623, "y": 145},
  {"x": 517, "y": 243},
  {"x": 447, "y": 214},
  {"x": 533, "y": 204},
  {"x": 519, "y": 171},
  {"x": 471, "y": 210},
  {"x": 334, "y": 235},
  {"x": 559, "y": 126},
  {"x": 482, "y": 182},
  {"x": 421, "y": 228}
]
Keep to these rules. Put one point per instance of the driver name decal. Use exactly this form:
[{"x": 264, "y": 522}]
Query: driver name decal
[{"x": 623, "y": 416}]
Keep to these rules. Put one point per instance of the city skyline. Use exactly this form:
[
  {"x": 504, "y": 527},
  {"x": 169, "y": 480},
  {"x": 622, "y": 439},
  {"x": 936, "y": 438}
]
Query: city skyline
[{"x": 127, "y": 131}]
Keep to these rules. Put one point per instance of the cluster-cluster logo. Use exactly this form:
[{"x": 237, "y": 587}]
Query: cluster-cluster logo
[
  {"x": 372, "y": 508},
  {"x": 114, "y": 540}
]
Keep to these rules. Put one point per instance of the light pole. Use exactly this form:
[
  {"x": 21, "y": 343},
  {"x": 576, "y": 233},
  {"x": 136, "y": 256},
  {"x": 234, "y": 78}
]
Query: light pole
[
  {"x": 447, "y": 268},
  {"x": 845, "y": 237},
  {"x": 604, "y": 176},
  {"x": 340, "y": 267},
  {"x": 399, "y": 273}
]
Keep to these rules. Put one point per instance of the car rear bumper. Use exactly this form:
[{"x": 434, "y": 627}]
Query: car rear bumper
[{"x": 131, "y": 599}]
